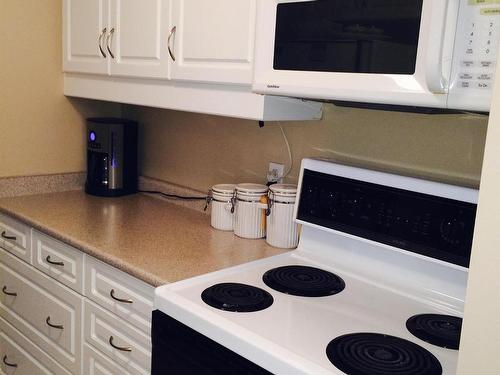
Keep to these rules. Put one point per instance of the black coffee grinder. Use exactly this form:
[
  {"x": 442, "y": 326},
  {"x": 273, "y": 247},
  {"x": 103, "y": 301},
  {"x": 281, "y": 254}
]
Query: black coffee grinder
[{"x": 111, "y": 157}]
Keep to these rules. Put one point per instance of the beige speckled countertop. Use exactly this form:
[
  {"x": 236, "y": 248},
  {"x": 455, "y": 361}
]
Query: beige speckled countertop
[{"x": 151, "y": 239}]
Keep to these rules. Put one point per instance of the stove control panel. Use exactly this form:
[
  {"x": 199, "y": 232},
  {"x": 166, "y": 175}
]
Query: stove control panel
[{"x": 433, "y": 226}]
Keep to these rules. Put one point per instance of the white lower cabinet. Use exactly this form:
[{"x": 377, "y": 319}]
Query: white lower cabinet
[
  {"x": 119, "y": 293},
  {"x": 42, "y": 309},
  {"x": 48, "y": 323},
  {"x": 125, "y": 344},
  {"x": 17, "y": 360},
  {"x": 20, "y": 356},
  {"x": 15, "y": 238},
  {"x": 58, "y": 260},
  {"x": 96, "y": 363}
]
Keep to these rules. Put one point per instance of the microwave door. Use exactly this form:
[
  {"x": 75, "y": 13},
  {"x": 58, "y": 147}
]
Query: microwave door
[{"x": 378, "y": 51}]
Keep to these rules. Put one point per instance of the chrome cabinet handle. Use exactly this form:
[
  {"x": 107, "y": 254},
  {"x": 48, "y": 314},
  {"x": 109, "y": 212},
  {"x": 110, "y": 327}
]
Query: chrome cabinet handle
[
  {"x": 172, "y": 33},
  {"x": 7, "y": 237},
  {"x": 110, "y": 37},
  {"x": 100, "y": 42},
  {"x": 122, "y": 348},
  {"x": 8, "y": 363},
  {"x": 112, "y": 294},
  {"x": 57, "y": 326},
  {"x": 4, "y": 290},
  {"x": 53, "y": 262}
]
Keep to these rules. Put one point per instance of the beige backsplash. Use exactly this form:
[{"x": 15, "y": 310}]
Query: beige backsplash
[{"x": 198, "y": 150}]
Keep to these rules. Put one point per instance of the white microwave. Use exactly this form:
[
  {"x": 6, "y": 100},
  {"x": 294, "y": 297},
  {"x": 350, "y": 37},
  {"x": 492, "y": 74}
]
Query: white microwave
[{"x": 423, "y": 53}]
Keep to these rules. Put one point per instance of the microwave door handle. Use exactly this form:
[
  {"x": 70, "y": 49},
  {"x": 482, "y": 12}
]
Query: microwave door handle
[{"x": 436, "y": 82}]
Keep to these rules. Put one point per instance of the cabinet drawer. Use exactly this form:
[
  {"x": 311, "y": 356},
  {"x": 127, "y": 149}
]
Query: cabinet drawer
[
  {"x": 96, "y": 363},
  {"x": 16, "y": 360},
  {"x": 58, "y": 260},
  {"x": 45, "y": 311},
  {"x": 120, "y": 293},
  {"x": 15, "y": 348},
  {"x": 124, "y": 344},
  {"x": 15, "y": 238}
]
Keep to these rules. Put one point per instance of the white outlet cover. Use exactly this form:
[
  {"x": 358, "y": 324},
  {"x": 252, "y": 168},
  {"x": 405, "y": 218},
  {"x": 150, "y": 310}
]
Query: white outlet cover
[{"x": 276, "y": 172}]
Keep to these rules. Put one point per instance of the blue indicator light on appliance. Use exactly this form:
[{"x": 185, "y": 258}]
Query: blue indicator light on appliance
[{"x": 92, "y": 136}]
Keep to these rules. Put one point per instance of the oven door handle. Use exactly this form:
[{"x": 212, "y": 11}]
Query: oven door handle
[{"x": 435, "y": 80}]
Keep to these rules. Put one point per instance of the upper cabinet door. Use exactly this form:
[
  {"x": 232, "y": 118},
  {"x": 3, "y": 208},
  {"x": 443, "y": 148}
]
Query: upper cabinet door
[
  {"x": 85, "y": 25},
  {"x": 213, "y": 41},
  {"x": 138, "y": 38}
]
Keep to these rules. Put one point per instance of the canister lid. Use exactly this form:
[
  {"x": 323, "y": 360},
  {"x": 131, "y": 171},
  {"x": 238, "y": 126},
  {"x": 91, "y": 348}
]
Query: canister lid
[
  {"x": 226, "y": 189},
  {"x": 284, "y": 189},
  {"x": 251, "y": 188}
]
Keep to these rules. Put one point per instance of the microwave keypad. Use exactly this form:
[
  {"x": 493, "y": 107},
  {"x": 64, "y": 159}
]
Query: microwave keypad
[{"x": 482, "y": 34}]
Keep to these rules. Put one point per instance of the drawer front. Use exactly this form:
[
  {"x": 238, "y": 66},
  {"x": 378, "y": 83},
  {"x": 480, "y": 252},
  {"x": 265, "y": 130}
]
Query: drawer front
[
  {"x": 15, "y": 238},
  {"x": 123, "y": 343},
  {"x": 119, "y": 293},
  {"x": 16, "y": 349},
  {"x": 58, "y": 260},
  {"x": 42, "y": 309},
  {"x": 16, "y": 360},
  {"x": 95, "y": 363}
]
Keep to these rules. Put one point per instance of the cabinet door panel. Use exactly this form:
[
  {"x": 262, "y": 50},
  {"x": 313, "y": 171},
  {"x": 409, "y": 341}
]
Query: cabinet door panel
[
  {"x": 83, "y": 25},
  {"x": 214, "y": 40},
  {"x": 96, "y": 363},
  {"x": 37, "y": 300},
  {"x": 15, "y": 237},
  {"x": 140, "y": 36}
]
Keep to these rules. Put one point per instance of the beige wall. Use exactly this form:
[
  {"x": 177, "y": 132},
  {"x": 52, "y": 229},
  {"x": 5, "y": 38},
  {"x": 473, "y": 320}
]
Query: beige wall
[
  {"x": 198, "y": 150},
  {"x": 41, "y": 132}
]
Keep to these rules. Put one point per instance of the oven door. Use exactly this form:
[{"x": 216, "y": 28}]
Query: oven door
[
  {"x": 375, "y": 51},
  {"x": 180, "y": 350}
]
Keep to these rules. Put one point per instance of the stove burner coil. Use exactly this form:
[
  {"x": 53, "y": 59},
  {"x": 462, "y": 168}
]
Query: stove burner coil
[
  {"x": 303, "y": 281},
  {"x": 237, "y": 297},
  {"x": 377, "y": 354},
  {"x": 439, "y": 330}
]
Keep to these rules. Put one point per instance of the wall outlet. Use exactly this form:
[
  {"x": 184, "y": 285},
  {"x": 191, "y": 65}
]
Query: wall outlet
[{"x": 276, "y": 172}]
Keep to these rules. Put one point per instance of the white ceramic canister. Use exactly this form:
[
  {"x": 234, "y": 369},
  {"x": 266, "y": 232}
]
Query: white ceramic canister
[
  {"x": 220, "y": 197},
  {"x": 250, "y": 210},
  {"x": 282, "y": 231}
]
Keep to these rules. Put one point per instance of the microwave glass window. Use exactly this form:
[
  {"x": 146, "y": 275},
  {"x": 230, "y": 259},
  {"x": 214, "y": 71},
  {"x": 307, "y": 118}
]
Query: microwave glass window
[{"x": 351, "y": 36}]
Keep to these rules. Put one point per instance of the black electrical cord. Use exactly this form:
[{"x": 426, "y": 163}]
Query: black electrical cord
[{"x": 173, "y": 196}]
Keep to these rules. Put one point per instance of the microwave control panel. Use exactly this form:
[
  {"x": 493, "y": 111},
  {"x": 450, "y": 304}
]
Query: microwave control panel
[{"x": 475, "y": 54}]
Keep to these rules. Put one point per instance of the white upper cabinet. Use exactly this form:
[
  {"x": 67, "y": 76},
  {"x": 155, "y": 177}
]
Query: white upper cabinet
[
  {"x": 213, "y": 41},
  {"x": 137, "y": 38},
  {"x": 85, "y": 25},
  {"x": 118, "y": 37}
]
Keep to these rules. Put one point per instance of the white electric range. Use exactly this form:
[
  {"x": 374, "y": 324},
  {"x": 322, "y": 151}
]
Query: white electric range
[{"x": 375, "y": 287}]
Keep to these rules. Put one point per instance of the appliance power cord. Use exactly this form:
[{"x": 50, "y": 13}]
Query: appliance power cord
[
  {"x": 173, "y": 196},
  {"x": 289, "y": 152}
]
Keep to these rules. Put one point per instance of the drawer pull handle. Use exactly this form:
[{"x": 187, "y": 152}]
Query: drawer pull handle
[
  {"x": 99, "y": 42},
  {"x": 53, "y": 262},
  {"x": 112, "y": 294},
  {"x": 110, "y": 37},
  {"x": 8, "y": 363},
  {"x": 172, "y": 33},
  {"x": 57, "y": 326},
  {"x": 7, "y": 237},
  {"x": 123, "y": 349},
  {"x": 4, "y": 290}
]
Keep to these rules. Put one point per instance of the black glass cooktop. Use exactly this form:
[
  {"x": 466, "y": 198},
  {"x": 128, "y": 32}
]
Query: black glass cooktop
[
  {"x": 377, "y": 354},
  {"x": 303, "y": 281},
  {"x": 237, "y": 297},
  {"x": 439, "y": 330}
]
